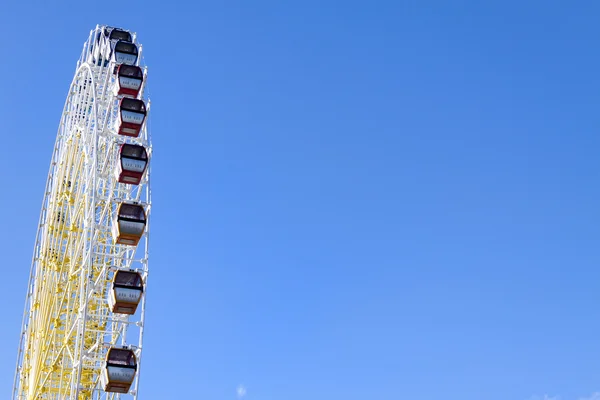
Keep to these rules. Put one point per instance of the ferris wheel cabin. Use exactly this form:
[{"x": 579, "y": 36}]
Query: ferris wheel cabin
[
  {"x": 129, "y": 224},
  {"x": 125, "y": 53},
  {"x": 132, "y": 113},
  {"x": 119, "y": 370},
  {"x": 126, "y": 293},
  {"x": 115, "y": 34},
  {"x": 129, "y": 80},
  {"x": 133, "y": 160}
]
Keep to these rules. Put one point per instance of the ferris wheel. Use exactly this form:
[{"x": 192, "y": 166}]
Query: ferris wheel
[{"x": 83, "y": 322}]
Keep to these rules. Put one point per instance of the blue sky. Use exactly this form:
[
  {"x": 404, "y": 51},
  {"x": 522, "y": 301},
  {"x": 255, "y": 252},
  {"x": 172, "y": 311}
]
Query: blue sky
[{"x": 368, "y": 200}]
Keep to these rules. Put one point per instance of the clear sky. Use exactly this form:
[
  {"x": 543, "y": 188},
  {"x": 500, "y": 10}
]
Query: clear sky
[{"x": 352, "y": 200}]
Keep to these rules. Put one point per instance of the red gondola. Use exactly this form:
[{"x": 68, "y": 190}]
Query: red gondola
[
  {"x": 129, "y": 224},
  {"x": 119, "y": 370},
  {"x": 132, "y": 113},
  {"x": 133, "y": 160},
  {"x": 129, "y": 80},
  {"x": 126, "y": 293}
]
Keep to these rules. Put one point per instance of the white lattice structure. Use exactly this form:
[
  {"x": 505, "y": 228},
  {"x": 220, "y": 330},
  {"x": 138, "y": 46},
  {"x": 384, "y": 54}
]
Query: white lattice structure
[{"x": 68, "y": 326}]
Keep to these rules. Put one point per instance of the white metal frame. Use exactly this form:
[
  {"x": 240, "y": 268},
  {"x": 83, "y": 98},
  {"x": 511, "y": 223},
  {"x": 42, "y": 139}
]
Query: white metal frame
[{"x": 67, "y": 324}]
